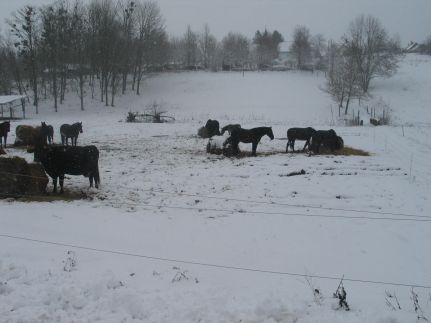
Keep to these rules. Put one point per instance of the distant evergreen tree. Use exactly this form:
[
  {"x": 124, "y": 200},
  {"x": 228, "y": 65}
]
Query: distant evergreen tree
[{"x": 267, "y": 46}]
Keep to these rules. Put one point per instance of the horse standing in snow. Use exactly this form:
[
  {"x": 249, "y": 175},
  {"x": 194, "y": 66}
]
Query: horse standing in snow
[
  {"x": 299, "y": 134},
  {"x": 70, "y": 131},
  {"x": 247, "y": 136},
  {"x": 48, "y": 132}
]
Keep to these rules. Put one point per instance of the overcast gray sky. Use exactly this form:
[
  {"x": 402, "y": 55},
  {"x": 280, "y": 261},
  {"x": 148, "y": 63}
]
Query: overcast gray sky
[{"x": 410, "y": 19}]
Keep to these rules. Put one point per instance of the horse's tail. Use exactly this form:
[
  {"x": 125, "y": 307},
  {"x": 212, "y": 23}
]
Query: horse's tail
[
  {"x": 97, "y": 176},
  {"x": 96, "y": 167}
]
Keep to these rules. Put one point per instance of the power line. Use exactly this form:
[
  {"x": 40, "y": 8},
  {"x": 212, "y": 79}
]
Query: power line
[
  {"x": 282, "y": 213},
  {"x": 200, "y": 209},
  {"x": 198, "y": 263},
  {"x": 263, "y": 202},
  {"x": 286, "y": 204}
]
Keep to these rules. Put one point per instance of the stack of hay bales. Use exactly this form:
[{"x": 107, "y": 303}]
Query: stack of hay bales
[{"x": 19, "y": 178}]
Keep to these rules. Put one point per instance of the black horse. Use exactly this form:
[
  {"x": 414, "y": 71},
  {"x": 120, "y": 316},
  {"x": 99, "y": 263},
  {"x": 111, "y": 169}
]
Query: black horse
[
  {"x": 299, "y": 134},
  {"x": 327, "y": 138},
  {"x": 70, "y": 131},
  {"x": 213, "y": 128},
  {"x": 247, "y": 136},
  {"x": 229, "y": 128},
  {"x": 4, "y": 129},
  {"x": 48, "y": 132}
]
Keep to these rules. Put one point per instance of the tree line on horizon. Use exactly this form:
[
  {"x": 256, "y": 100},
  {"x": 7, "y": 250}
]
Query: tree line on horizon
[{"x": 104, "y": 48}]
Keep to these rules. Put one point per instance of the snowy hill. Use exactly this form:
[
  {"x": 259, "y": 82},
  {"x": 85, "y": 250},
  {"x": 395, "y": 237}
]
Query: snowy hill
[{"x": 176, "y": 235}]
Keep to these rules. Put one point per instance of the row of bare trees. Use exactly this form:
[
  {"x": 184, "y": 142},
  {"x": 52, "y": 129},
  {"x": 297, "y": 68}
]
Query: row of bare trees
[
  {"x": 104, "y": 47},
  {"x": 72, "y": 45},
  {"x": 365, "y": 52}
]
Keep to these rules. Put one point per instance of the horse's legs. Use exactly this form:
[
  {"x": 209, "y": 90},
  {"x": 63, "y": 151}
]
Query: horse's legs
[
  {"x": 307, "y": 143},
  {"x": 61, "y": 183},
  {"x": 254, "y": 147},
  {"x": 90, "y": 178},
  {"x": 54, "y": 183},
  {"x": 287, "y": 145},
  {"x": 235, "y": 147},
  {"x": 292, "y": 145},
  {"x": 5, "y": 140}
]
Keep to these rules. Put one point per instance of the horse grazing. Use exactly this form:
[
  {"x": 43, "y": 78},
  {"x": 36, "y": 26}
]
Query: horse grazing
[
  {"x": 229, "y": 128},
  {"x": 70, "y": 131},
  {"x": 4, "y": 129},
  {"x": 48, "y": 132},
  {"x": 299, "y": 134},
  {"x": 213, "y": 128},
  {"x": 247, "y": 136},
  {"x": 60, "y": 160},
  {"x": 327, "y": 138}
]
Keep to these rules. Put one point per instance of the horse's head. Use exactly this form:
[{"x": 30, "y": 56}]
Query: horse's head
[
  {"x": 270, "y": 133},
  {"x": 80, "y": 127}
]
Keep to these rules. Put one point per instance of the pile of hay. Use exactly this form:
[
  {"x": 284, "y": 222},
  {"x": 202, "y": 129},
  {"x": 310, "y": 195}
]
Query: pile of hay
[
  {"x": 19, "y": 178},
  {"x": 216, "y": 145},
  {"x": 345, "y": 151}
]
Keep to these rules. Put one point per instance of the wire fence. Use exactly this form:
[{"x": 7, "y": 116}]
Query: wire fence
[{"x": 213, "y": 265}]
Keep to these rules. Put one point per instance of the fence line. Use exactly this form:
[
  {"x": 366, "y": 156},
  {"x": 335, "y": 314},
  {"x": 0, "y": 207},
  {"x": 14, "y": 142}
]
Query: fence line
[{"x": 220, "y": 266}]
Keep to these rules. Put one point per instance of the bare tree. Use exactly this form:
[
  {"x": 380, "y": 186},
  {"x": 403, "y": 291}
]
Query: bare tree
[
  {"x": 149, "y": 25},
  {"x": 79, "y": 38},
  {"x": 376, "y": 54},
  {"x": 318, "y": 49},
  {"x": 235, "y": 50},
  {"x": 6, "y": 78},
  {"x": 207, "y": 46},
  {"x": 128, "y": 29},
  {"x": 343, "y": 75},
  {"x": 190, "y": 48},
  {"x": 301, "y": 46},
  {"x": 24, "y": 25}
]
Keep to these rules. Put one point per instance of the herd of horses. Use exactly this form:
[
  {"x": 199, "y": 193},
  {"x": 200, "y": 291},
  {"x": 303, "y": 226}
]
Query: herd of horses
[
  {"x": 314, "y": 139},
  {"x": 59, "y": 160}
]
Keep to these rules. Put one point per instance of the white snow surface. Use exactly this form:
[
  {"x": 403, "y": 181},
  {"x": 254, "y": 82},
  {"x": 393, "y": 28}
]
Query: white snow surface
[{"x": 177, "y": 235}]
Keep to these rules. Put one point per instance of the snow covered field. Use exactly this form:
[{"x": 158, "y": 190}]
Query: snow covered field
[{"x": 176, "y": 235}]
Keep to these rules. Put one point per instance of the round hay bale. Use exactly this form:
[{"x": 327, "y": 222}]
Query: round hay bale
[
  {"x": 20, "y": 178},
  {"x": 26, "y": 135}
]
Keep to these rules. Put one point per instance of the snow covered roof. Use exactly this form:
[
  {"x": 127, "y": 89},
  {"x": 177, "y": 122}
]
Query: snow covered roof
[{"x": 4, "y": 99}]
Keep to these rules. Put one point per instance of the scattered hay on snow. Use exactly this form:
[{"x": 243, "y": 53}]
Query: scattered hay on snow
[{"x": 345, "y": 151}]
